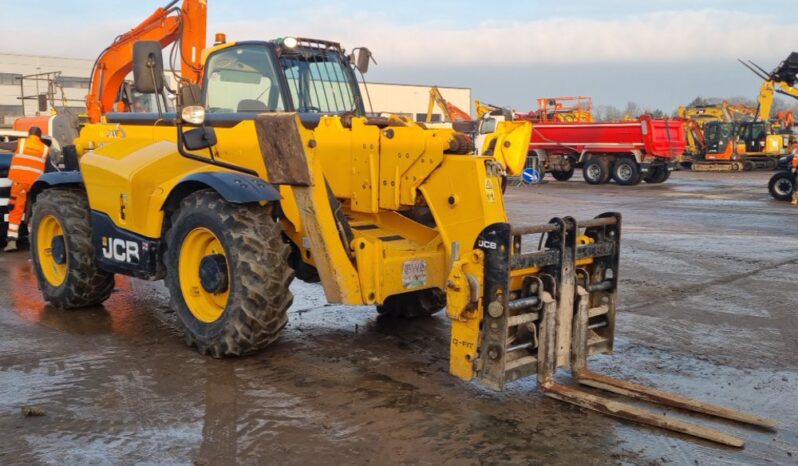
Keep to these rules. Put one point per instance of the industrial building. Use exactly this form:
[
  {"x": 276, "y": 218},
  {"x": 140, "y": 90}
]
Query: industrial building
[{"x": 65, "y": 83}]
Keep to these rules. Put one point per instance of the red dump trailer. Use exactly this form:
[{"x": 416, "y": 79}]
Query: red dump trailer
[{"x": 625, "y": 151}]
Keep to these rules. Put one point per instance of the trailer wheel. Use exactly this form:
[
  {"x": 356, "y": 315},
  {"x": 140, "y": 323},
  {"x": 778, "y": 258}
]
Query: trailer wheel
[
  {"x": 658, "y": 175},
  {"x": 596, "y": 170},
  {"x": 228, "y": 275},
  {"x": 781, "y": 186},
  {"x": 626, "y": 172},
  {"x": 415, "y": 304},
  {"x": 563, "y": 175}
]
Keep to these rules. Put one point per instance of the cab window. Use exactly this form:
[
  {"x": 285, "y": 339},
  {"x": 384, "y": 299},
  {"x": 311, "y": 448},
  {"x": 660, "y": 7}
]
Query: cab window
[
  {"x": 318, "y": 81},
  {"x": 242, "y": 79}
]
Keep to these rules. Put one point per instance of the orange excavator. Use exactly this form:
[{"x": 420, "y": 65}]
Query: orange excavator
[
  {"x": 451, "y": 112},
  {"x": 108, "y": 90},
  {"x": 187, "y": 23},
  {"x": 184, "y": 26}
]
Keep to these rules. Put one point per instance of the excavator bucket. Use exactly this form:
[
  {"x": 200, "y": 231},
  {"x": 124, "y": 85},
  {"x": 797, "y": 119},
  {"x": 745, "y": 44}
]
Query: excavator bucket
[{"x": 563, "y": 312}]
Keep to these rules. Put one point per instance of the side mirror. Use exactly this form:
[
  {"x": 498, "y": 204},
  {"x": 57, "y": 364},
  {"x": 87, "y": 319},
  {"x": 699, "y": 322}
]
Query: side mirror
[
  {"x": 199, "y": 138},
  {"x": 361, "y": 58},
  {"x": 148, "y": 77}
]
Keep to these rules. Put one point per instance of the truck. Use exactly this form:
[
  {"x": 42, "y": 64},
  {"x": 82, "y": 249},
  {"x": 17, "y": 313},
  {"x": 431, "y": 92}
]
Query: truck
[{"x": 627, "y": 152}]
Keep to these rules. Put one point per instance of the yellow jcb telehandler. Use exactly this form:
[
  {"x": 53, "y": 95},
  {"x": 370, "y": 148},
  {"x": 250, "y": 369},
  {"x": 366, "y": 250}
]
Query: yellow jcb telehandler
[{"x": 271, "y": 168}]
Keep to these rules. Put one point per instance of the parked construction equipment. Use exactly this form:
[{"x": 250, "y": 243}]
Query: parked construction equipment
[
  {"x": 696, "y": 117},
  {"x": 758, "y": 141},
  {"x": 562, "y": 110},
  {"x": 450, "y": 113},
  {"x": 276, "y": 167},
  {"x": 782, "y": 185},
  {"x": 625, "y": 151},
  {"x": 185, "y": 27}
]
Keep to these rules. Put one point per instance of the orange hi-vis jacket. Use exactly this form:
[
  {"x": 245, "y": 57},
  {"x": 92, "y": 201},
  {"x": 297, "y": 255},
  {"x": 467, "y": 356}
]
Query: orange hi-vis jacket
[{"x": 29, "y": 160}]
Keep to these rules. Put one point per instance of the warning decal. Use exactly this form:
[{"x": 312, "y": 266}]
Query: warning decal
[{"x": 414, "y": 274}]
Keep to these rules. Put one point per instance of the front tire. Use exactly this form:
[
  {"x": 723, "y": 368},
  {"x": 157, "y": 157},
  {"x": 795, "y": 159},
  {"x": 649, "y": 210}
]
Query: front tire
[
  {"x": 626, "y": 172},
  {"x": 781, "y": 186},
  {"x": 63, "y": 253},
  {"x": 227, "y": 274}
]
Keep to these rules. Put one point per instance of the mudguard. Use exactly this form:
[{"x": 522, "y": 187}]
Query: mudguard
[
  {"x": 237, "y": 188},
  {"x": 51, "y": 179}
]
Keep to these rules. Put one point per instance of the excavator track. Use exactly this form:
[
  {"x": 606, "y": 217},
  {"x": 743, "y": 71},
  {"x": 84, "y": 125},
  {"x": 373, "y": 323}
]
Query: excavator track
[
  {"x": 750, "y": 163},
  {"x": 563, "y": 312}
]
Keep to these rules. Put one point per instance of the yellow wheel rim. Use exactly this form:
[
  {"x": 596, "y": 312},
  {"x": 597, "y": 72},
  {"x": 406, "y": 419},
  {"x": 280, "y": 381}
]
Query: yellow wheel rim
[
  {"x": 204, "y": 305},
  {"x": 48, "y": 229}
]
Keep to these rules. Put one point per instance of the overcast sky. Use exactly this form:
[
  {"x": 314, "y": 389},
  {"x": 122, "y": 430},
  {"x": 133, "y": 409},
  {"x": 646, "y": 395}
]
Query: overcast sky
[{"x": 657, "y": 53}]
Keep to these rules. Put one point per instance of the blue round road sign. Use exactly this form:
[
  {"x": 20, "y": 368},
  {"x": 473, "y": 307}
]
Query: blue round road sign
[{"x": 530, "y": 176}]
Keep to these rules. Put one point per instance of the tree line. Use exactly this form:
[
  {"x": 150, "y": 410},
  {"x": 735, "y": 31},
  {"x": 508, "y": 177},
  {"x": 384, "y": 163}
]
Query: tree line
[{"x": 634, "y": 110}]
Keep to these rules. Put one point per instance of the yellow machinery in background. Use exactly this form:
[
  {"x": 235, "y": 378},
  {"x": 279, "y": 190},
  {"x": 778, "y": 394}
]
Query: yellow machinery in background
[
  {"x": 729, "y": 137},
  {"x": 272, "y": 169},
  {"x": 695, "y": 118},
  {"x": 782, "y": 80},
  {"x": 564, "y": 109}
]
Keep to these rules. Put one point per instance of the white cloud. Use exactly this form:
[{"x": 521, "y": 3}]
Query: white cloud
[
  {"x": 677, "y": 37},
  {"x": 666, "y": 37}
]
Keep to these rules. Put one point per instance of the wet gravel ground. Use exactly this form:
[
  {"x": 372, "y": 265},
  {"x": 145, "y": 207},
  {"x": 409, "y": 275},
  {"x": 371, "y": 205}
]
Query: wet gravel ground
[{"x": 708, "y": 306}]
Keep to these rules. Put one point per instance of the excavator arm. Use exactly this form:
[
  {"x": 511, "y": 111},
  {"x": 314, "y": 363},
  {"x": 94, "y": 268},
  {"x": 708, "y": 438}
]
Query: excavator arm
[
  {"x": 733, "y": 110},
  {"x": 483, "y": 108},
  {"x": 450, "y": 112},
  {"x": 166, "y": 25}
]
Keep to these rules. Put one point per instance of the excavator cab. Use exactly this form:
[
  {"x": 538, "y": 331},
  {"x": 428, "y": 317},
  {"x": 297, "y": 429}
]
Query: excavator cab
[{"x": 719, "y": 136}]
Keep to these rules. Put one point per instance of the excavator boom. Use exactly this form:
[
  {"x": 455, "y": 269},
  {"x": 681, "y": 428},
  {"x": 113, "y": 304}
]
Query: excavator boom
[
  {"x": 166, "y": 25},
  {"x": 450, "y": 111}
]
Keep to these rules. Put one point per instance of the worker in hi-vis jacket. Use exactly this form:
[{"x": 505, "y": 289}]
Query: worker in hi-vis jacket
[{"x": 27, "y": 165}]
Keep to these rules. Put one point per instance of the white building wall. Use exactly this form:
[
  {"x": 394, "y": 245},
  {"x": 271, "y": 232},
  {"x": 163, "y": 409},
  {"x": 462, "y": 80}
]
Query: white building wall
[
  {"x": 412, "y": 99},
  {"x": 406, "y": 99}
]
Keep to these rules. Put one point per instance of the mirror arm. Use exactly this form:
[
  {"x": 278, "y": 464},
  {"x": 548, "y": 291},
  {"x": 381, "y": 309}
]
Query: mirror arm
[{"x": 157, "y": 101}]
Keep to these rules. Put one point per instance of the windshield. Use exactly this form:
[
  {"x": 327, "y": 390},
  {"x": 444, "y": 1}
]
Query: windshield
[
  {"x": 242, "y": 79},
  {"x": 318, "y": 81}
]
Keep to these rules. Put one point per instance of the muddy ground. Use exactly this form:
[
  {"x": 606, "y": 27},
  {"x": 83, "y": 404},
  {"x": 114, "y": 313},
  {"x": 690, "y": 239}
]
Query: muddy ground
[{"x": 708, "y": 308}]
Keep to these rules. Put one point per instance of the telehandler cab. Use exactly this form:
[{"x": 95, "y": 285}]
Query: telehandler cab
[{"x": 271, "y": 167}]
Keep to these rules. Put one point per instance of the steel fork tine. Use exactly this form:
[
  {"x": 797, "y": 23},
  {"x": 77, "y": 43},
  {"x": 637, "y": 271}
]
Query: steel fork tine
[
  {"x": 547, "y": 366},
  {"x": 640, "y": 392}
]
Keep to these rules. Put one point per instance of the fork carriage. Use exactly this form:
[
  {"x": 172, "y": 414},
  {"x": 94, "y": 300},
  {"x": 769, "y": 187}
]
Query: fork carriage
[{"x": 554, "y": 307}]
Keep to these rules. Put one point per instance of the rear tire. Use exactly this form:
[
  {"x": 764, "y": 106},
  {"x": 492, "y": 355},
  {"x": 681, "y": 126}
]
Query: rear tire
[
  {"x": 781, "y": 186},
  {"x": 243, "y": 310},
  {"x": 659, "y": 174},
  {"x": 415, "y": 304},
  {"x": 596, "y": 170},
  {"x": 626, "y": 172},
  {"x": 66, "y": 269},
  {"x": 563, "y": 175}
]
